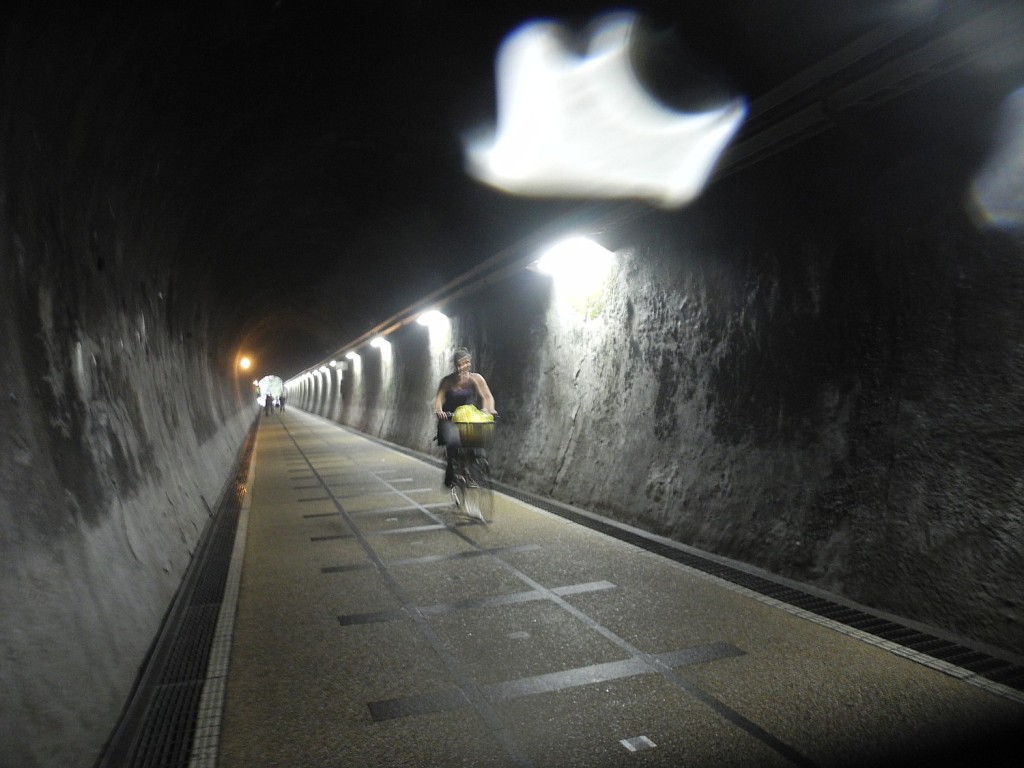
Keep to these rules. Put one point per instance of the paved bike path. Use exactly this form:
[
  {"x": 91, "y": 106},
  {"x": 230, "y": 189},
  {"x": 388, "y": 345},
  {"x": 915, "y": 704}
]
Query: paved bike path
[{"x": 376, "y": 628}]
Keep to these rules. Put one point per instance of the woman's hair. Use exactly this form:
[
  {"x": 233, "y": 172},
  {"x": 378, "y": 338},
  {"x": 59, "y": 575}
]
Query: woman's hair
[{"x": 459, "y": 354}]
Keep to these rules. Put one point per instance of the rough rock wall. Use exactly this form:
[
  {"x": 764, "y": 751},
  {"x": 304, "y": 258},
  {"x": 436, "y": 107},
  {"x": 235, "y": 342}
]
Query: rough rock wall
[
  {"x": 121, "y": 421},
  {"x": 829, "y": 396}
]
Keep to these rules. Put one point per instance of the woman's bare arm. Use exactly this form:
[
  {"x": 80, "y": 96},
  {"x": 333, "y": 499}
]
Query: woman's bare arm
[
  {"x": 486, "y": 398},
  {"x": 439, "y": 398}
]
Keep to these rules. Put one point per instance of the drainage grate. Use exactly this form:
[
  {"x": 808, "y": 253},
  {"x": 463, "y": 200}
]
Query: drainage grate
[
  {"x": 168, "y": 726},
  {"x": 158, "y": 724}
]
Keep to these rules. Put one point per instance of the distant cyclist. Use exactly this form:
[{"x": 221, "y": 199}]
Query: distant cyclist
[{"x": 463, "y": 387}]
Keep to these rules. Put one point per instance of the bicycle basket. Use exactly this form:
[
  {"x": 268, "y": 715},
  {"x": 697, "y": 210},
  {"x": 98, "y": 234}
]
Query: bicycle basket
[{"x": 475, "y": 434}]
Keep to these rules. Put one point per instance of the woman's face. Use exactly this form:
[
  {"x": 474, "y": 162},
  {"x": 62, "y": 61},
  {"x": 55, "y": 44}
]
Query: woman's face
[{"x": 463, "y": 364}]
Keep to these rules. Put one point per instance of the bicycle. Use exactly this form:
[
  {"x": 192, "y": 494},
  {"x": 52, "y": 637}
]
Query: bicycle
[{"x": 473, "y": 493}]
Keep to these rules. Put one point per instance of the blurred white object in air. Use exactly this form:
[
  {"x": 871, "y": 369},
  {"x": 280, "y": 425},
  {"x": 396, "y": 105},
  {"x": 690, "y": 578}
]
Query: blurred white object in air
[
  {"x": 584, "y": 126},
  {"x": 997, "y": 190}
]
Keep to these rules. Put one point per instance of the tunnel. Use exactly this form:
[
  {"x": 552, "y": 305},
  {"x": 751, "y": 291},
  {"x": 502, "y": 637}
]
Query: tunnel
[{"x": 813, "y": 368}]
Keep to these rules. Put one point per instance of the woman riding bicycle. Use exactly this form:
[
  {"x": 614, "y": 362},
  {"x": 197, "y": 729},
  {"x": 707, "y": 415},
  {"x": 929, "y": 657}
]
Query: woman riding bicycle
[{"x": 462, "y": 387}]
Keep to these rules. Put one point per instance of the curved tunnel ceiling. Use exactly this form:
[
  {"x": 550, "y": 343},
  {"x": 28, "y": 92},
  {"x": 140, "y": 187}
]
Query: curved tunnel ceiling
[{"x": 308, "y": 160}]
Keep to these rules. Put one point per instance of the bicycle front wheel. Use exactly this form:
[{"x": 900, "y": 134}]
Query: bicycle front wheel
[{"x": 477, "y": 493}]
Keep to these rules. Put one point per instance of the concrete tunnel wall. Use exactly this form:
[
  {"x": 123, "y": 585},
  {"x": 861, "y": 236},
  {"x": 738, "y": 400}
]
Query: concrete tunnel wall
[
  {"x": 830, "y": 393},
  {"x": 120, "y": 436},
  {"x": 121, "y": 422}
]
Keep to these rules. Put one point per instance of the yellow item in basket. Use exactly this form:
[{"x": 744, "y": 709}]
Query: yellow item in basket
[{"x": 470, "y": 414}]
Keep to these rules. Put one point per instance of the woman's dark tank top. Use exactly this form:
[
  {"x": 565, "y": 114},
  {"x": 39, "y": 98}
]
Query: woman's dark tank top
[{"x": 457, "y": 396}]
